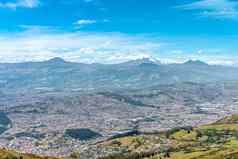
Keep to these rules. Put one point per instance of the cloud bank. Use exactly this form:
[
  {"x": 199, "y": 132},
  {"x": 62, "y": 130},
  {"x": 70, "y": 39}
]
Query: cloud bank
[
  {"x": 20, "y": 4},
  {"x": 40, "y": 43},
  {"x": 220, "y": 9},
  {"x": 35, "y": 45}
]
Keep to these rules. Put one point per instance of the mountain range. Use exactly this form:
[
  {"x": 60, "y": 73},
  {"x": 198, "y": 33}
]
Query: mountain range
[{"x": 58, "y": 74}]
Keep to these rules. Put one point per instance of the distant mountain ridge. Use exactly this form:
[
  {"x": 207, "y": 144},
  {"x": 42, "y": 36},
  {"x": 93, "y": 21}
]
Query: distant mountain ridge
[
  {"x": 59, "y": 74},
  {"x": 142, "y": 61},
  {"x": 136, "y": 61},
  {"x": 195, "y": 62},
  {"x": 149, "y": 60}
]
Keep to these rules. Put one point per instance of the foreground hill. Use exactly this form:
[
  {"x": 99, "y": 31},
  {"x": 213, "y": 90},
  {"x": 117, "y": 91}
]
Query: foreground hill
[
  {"x": 6, "y": 154},
  {"x": 213, "y": 141}
]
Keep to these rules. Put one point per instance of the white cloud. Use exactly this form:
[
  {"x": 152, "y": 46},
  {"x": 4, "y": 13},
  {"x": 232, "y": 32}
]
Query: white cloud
[
  {"x": 20, "y": 4},
  {"x": 38, "y": 28},
  {"x": 220, "y": 9},
  {"x": 200, "y": 51},
  {"x": 85, "y": 22},
  {"x": 82, "y": 22}
]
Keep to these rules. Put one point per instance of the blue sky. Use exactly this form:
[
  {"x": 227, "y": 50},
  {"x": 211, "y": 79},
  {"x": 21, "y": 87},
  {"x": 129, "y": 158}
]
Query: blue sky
[{"x": 112, "y": 31}]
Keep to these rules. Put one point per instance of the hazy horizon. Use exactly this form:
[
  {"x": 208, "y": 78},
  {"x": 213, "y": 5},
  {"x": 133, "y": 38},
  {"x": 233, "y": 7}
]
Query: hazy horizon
[{"x": 142, "y": 59}]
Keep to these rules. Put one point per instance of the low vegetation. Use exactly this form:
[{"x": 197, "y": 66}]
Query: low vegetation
[
  {"x": 213, "y": 141},
  {"x": 5, "y": 122},
  {"x": 81, "y": 134},
  {"x": 6, "y": 154}
]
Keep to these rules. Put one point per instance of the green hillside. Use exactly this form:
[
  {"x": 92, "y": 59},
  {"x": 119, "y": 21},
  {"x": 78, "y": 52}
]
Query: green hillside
[
  {"x": 213, "y": 141},
  {"x": 6, "y": 154}
]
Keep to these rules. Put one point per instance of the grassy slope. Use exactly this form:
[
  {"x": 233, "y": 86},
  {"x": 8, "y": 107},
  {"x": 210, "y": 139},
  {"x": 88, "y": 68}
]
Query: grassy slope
[
  {"x": 213, "y": 141},
  {"x": 6, "y": 154}
]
